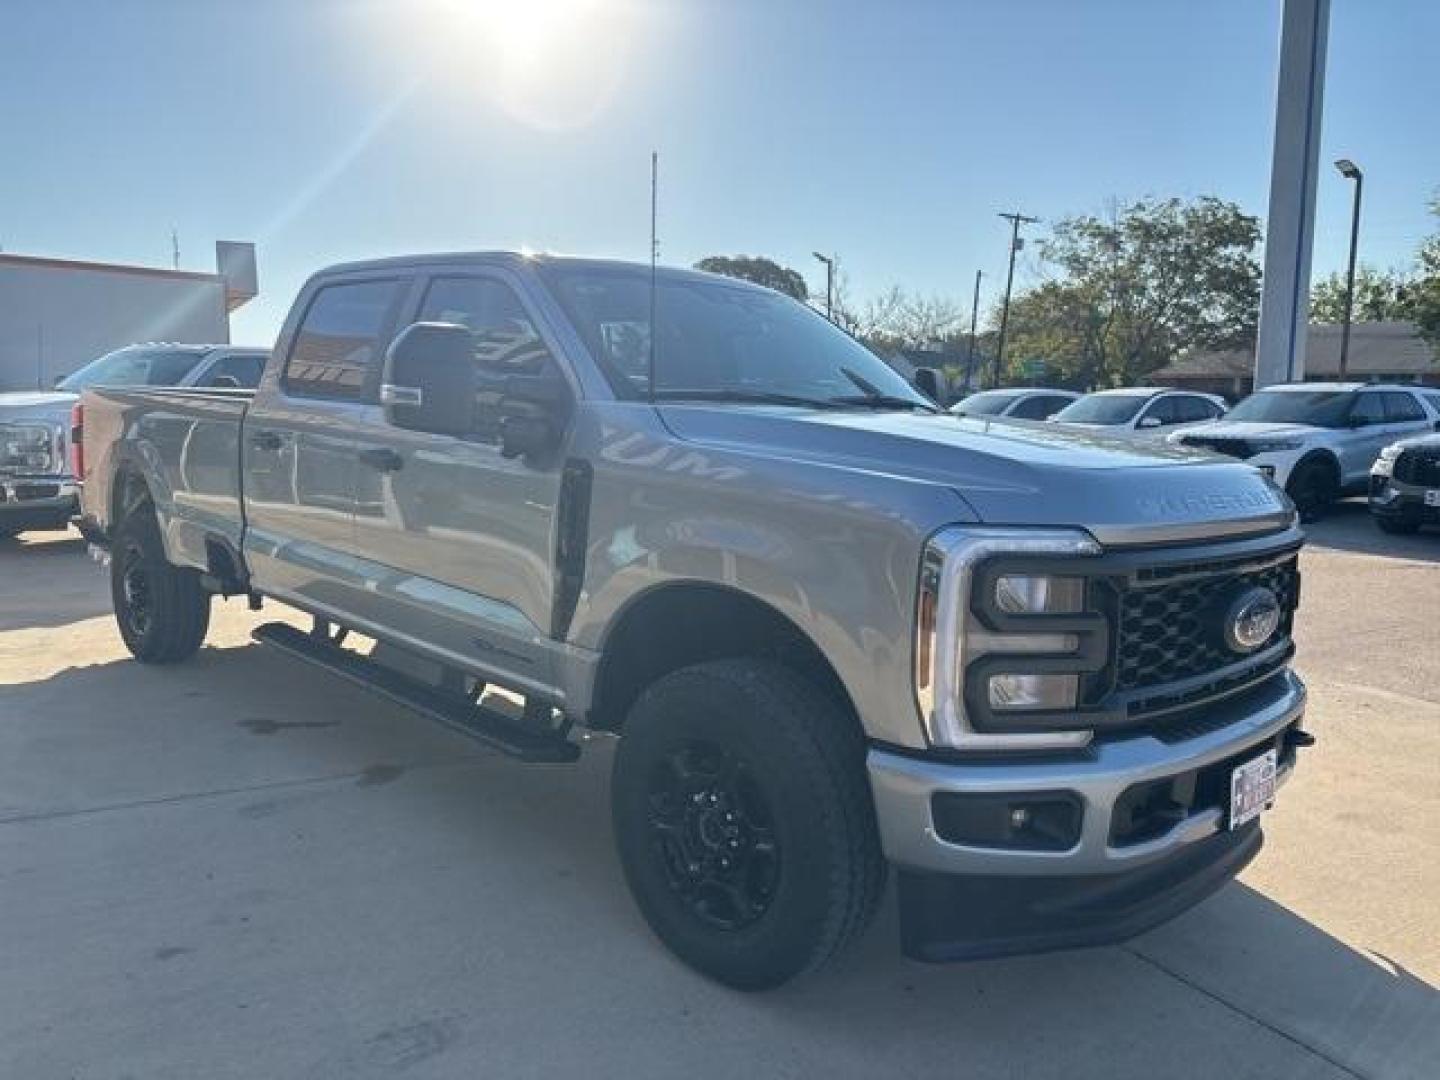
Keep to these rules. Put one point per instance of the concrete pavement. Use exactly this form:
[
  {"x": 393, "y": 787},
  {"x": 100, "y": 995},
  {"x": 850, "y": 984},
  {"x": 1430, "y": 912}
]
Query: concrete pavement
[{"x": 243, "y": 868}]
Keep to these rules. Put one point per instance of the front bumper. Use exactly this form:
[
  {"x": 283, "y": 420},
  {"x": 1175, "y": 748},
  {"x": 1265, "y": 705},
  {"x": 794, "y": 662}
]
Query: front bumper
[
  {"x": 1391, "y": 498},
  {"x": 1098, "y": 889},
  {"x": 38, "y": 502}
]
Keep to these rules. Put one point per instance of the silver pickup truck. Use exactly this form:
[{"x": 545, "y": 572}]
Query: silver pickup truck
[{"x": 1043, "y": 674}]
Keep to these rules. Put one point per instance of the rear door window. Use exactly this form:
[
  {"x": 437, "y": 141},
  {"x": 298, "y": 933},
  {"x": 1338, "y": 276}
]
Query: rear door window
[
  {"x": 340, "y": 339},
  {"x": 1402, "y": 408},
  {"x": 1165, "y": 409},
  {"x": 1368, "y": 409},
  {"x": 1038, "y": 407}
]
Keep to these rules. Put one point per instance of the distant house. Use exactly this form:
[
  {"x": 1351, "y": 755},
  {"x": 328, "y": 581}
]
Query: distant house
[{"x": 1379, "y": 352}]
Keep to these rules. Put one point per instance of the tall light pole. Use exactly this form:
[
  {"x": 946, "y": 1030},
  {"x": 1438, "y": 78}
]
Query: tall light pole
[
  {"x": 829, "y": 261},
  {"x": 1016, "y": 219},
  {"x": 974, "y": 315},
  {"x": 1350, "y": 171}
]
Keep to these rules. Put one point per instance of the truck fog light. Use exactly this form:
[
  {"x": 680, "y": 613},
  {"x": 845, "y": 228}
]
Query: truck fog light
[
  {"x": 1025, "y": 594},
  {"x": 1033, "y": 821},
  {"x": 1039, "y": 690}
]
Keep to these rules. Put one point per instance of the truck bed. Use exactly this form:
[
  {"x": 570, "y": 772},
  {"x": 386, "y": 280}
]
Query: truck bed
[{"x": 186, "y": 444}]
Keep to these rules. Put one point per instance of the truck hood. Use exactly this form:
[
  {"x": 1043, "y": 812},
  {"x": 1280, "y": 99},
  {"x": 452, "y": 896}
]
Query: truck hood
[
  {"x": 51, "y": 405},
  {"x": 1012, "y": 473},
  {"x": 1249, "y": 429}
]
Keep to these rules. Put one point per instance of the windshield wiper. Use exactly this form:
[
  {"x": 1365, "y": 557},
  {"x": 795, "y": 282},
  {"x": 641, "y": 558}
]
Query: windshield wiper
[
  {"x": 872, "y": 397},
  {"x": 745, "y": 397}
]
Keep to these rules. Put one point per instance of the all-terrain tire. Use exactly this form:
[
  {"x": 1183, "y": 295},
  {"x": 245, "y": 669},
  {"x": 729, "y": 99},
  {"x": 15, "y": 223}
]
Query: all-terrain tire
[
  {"x": 1313, "y": 487},
  {"x": 162, "y": 610},
  {"x": 797, "y": 777}
]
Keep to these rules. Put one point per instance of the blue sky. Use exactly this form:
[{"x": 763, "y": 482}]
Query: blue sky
[{"x": 890, "y": 133}]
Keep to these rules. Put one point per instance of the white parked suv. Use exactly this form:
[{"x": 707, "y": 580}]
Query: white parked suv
[
  {"x": 1318, "y": 440},
  {"x": 1141, "y": 411}
]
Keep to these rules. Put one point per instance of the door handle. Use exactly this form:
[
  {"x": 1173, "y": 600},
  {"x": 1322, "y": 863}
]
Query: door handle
[
  {"x": 266, "y": 440},
  {"x": 382, "y": 458}
]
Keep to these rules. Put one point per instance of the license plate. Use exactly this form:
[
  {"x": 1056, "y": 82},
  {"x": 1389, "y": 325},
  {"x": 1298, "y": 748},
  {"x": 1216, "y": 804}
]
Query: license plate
[
  {"x": 1432, "y": 497},
  {"x": 1252, "y": 788}
]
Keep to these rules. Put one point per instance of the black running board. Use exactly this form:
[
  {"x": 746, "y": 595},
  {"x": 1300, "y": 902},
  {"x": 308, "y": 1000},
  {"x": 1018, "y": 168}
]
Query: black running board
[{"x": 488, "y": 726}]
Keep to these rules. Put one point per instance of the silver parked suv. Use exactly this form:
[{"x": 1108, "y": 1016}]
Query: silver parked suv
[{"x": 1318, "y": 440}]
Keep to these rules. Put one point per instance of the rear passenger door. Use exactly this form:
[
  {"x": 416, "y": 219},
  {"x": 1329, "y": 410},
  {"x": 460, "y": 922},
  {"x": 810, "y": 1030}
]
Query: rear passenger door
[
  {"x": 1368, "y": 433},
  {"x": 299, "y": 441}
]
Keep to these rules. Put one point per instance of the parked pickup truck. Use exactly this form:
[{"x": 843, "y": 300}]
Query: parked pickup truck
[
  {"x": 38, "y": 488},
  {"x": 1044, "y": 674}
]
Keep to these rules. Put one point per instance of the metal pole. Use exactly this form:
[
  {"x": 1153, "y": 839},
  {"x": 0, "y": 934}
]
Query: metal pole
[
  {"x": 829, "y": 261},
  {"x": 1015, "y": 219},
  {"x": 1359, "y": 178},
  {"x": 974, "y": 315}
]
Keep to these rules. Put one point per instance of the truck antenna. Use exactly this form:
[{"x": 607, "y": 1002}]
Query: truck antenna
[{"x": 654, "y": 257}]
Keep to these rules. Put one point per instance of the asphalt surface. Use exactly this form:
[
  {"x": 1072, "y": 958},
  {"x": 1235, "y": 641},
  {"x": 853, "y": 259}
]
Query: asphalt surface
[{"x": 240, "y": 867}]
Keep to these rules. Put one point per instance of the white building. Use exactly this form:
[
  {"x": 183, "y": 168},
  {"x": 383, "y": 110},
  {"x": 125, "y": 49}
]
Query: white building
[{"x": 57, "y": 314}]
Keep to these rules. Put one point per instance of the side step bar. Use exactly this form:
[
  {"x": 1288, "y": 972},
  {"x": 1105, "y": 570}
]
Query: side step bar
[{"x": 484, "y": 725}]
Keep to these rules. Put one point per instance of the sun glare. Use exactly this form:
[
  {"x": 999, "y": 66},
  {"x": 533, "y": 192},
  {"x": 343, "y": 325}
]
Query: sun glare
[{"x": 552, "y": 64}]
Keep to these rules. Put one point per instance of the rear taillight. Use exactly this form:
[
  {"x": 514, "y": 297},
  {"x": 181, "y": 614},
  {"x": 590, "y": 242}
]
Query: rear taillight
[{"x": 77, "y": 440}]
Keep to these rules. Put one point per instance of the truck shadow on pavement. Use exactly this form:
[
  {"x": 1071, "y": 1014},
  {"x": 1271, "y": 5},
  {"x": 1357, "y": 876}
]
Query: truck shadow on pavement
[
  {"x": 461, "y": 876},
  {"x": 48, "y": 581}
]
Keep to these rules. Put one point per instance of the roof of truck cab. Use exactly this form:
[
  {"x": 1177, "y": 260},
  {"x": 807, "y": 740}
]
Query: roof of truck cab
[{"x": 517, "y": 259}]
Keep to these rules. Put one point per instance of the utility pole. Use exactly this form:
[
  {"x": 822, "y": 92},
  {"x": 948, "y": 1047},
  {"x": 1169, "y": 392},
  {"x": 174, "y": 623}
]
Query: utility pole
[
  {"x": 974, "y": 316},
  {"x": 1350, "y": 171},
  {"x": 1016, "y": 219},
  {"x": 829, "y": 261}
]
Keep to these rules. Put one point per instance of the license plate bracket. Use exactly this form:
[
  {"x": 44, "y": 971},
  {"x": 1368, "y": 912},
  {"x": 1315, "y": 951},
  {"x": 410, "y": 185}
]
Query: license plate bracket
[{"x": 1252, "y": 788}]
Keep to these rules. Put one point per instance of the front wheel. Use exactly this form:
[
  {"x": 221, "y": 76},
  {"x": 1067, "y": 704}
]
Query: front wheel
[
  {"x": 744, "y": 822},
  {"x": 1312, "y": 488},
  {"x": 162, "y": 610}
]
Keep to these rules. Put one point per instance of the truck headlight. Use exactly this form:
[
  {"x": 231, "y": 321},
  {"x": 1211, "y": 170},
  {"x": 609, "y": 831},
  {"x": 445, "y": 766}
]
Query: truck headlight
[{"x": 1000, "y": 645}]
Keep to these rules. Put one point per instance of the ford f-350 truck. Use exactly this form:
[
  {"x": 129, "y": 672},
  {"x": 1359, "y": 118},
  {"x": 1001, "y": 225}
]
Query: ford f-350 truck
[{"x": 1043, "y": 674}]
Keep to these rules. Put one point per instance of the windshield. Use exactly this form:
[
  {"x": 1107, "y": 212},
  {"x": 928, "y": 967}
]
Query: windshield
[
  {"x": 987, "y": 403},
  {"x": 1102, "y": 409},
  {"x": 718, "y": 341},
  {"x": 1318, "y": 408},
  {"x": 134, "y": 367}
]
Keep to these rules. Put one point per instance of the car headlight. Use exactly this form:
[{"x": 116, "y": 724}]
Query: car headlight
[
  {"x": 1385, "y": 463},
  {"x": 1267, "y": 446},
  {"x": 1001, "y": 648}
]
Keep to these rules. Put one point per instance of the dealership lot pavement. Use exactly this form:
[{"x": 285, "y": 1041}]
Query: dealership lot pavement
[{"x": 243, "y": 868}]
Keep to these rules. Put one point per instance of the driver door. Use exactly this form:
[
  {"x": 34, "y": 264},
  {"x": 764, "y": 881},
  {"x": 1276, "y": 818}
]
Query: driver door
[{"x": 457, "y": 539}]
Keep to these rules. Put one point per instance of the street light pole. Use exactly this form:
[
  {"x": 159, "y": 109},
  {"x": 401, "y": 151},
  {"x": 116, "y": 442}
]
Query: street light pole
[
  {"x": 829, "y": 261},
  {"x": 1015, "y": 219},
  {"x": 974, "y": 315},
  {"x": 1350, "y": 171}
]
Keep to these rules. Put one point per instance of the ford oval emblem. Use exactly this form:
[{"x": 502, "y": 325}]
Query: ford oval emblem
[{"x": 1252, "y": 619}]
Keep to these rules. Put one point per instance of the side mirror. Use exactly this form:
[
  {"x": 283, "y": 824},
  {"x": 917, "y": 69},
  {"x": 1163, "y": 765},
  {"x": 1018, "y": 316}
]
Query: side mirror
[
  {"x": 532, "y": 410},
  {"x": 927, "y": 381},
  {"x": 429, "y": 380},
  {"x": 1148, "y": 422}
]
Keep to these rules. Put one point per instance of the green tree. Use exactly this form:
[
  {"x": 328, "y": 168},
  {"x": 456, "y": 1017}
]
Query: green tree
[
  {"x": 1379, "y": 295},
  {"x": 1422, "y": 294},
  {"x": 1137, "y": 286},
  {"x": 760, "y": 270}
]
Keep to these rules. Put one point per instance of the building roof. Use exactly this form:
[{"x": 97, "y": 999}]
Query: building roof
[
  {"x": 43, "y": 262},
  {"x": 1376, "y": 348}
]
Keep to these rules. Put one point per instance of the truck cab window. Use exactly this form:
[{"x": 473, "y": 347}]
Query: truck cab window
[{"x": 339, "y": 340}]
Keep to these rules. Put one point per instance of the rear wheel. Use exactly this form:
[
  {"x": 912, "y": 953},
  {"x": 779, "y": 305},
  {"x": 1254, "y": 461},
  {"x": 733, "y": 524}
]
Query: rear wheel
[
  {"x": 162, "y": 610},
  {"x": 1312, "y": 488},
  {"x": 744, "y": 822}
]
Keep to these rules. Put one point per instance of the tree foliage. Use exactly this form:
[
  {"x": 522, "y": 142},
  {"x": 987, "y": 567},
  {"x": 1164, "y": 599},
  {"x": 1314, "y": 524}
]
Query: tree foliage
[
  {"x": 1135, "y": 287},
  {"x": 1379, "y": 295},
  {"x": 1422, "y": 295},
  {"x": 900, "y": 320},
  {"x": 760, "y": 270}
]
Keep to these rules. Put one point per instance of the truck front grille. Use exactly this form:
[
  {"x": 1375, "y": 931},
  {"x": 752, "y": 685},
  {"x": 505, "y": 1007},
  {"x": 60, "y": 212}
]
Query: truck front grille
[
  {"x": 1172, "y": 631},
  {"x": 1418, "y": 465}
]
